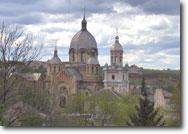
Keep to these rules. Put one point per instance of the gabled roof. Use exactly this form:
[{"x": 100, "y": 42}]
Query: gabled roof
[{"x": 75, "y": 73}]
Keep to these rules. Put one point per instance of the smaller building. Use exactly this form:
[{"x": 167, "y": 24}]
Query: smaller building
[
  {"x": 115, "y": 75},
  {"x": 133, "y": 69}
]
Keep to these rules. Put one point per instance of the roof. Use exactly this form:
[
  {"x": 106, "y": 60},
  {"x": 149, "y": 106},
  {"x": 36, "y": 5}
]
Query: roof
[
  {"x": 76, "y": 74},
  {"x": 55, "y": 59},
  {"x": 30, "y": 76},
  {"x": 92, "y": 60},
  {"x": 117, "y": 46},
  {"x": 83, "y": 39}
]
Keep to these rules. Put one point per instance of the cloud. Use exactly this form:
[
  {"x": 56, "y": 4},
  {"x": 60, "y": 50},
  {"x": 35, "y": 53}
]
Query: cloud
[
  {"x": 155, "y": 47},
  {"x": 149, "y": 30},
  {"x": 171, "y": 7},
  {"x": 20, "y": 7}
]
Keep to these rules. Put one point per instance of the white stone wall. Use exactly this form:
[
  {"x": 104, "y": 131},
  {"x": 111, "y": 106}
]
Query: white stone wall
[
  {"x": 120, "y": 81},
  {"x": 159, "y": 99}
]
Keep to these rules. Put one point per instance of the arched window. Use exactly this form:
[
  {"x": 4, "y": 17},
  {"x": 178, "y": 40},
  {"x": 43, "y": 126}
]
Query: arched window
[
  {"x": 97, "y": 70},
  {"x": 113, "y": 77},
  {"x": 62, "y": 101},
  {"x": 120, "y": 59},
  {"x": 82, "y": 56},
  {"x": 73, "y": 56},
  {"x": 54, "y": 69},
  {"x": 92, "y": 69}
]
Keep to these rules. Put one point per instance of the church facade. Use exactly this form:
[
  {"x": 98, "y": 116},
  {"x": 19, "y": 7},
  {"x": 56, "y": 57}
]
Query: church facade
[{"x": 81, "y": 72}]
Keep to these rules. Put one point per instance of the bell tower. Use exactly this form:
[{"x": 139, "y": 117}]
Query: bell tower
[{"x": 116, "y": 53}]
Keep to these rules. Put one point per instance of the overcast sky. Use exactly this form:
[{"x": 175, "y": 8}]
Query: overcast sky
[{"x": 149, "y": 30}]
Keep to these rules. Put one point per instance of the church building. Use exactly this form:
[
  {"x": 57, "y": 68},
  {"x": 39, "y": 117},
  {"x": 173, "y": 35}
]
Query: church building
[
  {"x": 81, "y": 72},
  {"x": 116, "y": 77}
]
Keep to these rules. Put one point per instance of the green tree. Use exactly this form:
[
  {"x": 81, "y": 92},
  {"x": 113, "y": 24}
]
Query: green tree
[
  {"x": 31, "y": 119},
  {"x": 76, "y": 108},
  {"x": 145, "y": 114},
  {"x": 1, "y": 115},
  {"x": 39, "y": 101},
  {"x": 174, "y": 112},
  {"x": 106, "y": 107},
  {"x": 125, "y": 107},
  {"x": 76, "y": 103}
]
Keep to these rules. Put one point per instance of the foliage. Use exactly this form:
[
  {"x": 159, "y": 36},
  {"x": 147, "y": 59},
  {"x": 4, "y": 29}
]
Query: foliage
[
  {"x": 105, "y": 108},
  {"x": 39, "y": 101},
  {"x": 145, "y": 114},
  {"x": 2, "y": 120},
  {"x": 110, "y": 108},
  {"x": 125, "y": 107},
  {"x": 75, "y": 103},
  {"x": 76, "y": 109},
  {"x": 30, "y": 119},
  {"x": 174, "y": 112}
]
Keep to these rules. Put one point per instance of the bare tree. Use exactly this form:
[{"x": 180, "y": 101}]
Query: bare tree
[{"x": 16, "y": 50}]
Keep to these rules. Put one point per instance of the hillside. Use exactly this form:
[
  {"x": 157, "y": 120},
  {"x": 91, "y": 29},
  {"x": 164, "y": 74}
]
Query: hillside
[{"x": 157, "y": 78}]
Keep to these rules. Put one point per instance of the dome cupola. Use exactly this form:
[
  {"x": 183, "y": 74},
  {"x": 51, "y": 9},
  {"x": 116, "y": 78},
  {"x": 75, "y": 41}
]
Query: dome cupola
[
  {"x": 83, "y": 38},
  {"x": 82, "y": 45},
  {"x": 117, "y": 46}
]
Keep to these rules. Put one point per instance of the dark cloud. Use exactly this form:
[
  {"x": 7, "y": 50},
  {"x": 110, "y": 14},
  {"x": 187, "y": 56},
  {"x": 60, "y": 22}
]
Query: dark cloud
[
  {"x": 170, "y": 7},
  {"x": 30, "y": 19},
  {"x": 19, "y": 8},
  {"x": 153, "y": 48},
  {"x": 24, "y": 19}
]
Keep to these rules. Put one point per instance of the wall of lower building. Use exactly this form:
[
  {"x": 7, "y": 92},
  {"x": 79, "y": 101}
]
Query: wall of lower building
[{"x": 116, "y": 79}]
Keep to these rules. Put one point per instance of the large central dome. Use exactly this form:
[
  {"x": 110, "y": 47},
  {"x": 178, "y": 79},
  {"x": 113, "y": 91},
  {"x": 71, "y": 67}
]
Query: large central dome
[{"x": 83, "y": 38}]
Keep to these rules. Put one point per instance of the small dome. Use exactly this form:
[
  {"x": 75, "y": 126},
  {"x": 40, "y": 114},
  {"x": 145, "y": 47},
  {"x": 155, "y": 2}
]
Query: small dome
[
  {"x": 117, "y": 46},
  {"x": 55, "y": 59},
  {"x": 92, "y": 61}
]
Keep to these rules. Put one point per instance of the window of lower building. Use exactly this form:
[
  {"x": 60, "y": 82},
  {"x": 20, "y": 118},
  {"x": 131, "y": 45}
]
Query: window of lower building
[
  {"x": 97, "y": 70},
  {"x": 82, "y": 56},
  {"x": 55, "y": 69},
  {"x": 113, "y": 77},
  {"x": 62, "y": 101},
  {"x": 73, "y": 57},
  {"x": 92, "y": 69}
]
